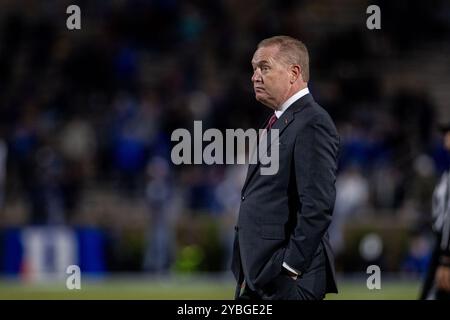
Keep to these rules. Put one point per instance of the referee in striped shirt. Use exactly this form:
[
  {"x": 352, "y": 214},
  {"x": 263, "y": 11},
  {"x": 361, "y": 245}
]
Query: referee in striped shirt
[{"x": 437, "y": 283}]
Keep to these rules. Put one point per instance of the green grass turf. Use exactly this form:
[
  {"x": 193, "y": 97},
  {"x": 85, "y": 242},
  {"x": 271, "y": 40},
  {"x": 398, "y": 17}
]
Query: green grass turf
[{"x": 181, "y": 289}]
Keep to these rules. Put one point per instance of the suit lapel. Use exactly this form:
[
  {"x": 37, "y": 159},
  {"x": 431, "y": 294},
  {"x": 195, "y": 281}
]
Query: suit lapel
[{"x": 281, "y": 124}]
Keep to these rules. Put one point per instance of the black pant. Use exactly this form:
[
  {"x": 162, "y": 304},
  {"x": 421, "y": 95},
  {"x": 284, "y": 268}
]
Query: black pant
[
  {"x": 310, "y": 286},
  {"x": 249, "y": 294}
]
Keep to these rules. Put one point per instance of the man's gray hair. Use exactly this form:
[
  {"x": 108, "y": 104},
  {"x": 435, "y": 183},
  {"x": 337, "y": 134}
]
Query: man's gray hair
[{"x": 290, "y": 51}]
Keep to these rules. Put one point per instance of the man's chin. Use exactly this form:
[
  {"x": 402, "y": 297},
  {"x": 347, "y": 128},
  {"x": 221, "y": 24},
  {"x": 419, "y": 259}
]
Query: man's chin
[
  {"x": 260, "y": 98},
  {"x": 263, "y": 101}
]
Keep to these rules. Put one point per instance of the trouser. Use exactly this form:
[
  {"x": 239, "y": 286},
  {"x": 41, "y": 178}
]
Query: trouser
[{"x": 309, "y": 286}]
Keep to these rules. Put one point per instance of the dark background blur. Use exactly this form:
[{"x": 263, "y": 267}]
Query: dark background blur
[{"x": 86, "y": 118}]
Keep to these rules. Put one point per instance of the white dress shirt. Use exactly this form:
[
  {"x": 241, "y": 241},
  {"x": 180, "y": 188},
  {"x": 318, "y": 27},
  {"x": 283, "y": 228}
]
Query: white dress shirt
[{"x": 290, "y": 101}]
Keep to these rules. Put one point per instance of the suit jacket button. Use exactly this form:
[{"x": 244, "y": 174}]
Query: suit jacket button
[{"x": 243, "y": 198}]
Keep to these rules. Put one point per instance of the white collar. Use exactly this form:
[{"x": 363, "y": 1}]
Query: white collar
[{"x": 290, "y": 101}]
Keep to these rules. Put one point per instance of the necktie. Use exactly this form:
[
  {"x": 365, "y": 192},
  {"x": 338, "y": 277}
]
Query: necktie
[{"x": 272, "y": 120}]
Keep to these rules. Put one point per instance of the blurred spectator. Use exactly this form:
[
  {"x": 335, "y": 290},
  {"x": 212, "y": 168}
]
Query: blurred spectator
[
  {"x": 78, "y": 148},
  {"x": 352, "y": 195},
  {"x": 422, "y": 185},
  {"x": 47, "y": 195},
  {"x": 160, "y": 246},
  {"x": 228, "y": 193},
  {"x": 418, "y": 255},
  {"x": 3, "y": 160}
]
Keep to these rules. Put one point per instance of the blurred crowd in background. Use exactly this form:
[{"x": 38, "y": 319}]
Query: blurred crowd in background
[{"x": 86, "y": 118}]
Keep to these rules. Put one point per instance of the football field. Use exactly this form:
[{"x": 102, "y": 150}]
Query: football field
[{"x": 186, "y": 288}]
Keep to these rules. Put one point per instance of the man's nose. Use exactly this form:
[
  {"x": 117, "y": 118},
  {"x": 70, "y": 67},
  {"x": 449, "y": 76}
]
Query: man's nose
[{"x": 256, "y": 77}]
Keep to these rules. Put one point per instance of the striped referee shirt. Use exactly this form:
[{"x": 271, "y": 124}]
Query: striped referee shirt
[{"x": 441, "y": 212}]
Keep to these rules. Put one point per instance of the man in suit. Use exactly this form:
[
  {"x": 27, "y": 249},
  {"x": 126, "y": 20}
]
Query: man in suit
[{"x": 281, "y": 248}]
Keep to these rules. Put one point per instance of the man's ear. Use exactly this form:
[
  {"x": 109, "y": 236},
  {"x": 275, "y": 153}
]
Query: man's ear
[{"x": 295, "y": 73}]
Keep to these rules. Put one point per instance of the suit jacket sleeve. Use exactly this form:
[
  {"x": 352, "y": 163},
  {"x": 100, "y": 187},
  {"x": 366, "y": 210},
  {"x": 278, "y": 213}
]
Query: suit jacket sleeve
[{"x": 315, "y": 163}]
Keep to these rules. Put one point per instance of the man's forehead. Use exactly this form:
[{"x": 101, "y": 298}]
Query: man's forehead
[{"x": 264, "y": 54}]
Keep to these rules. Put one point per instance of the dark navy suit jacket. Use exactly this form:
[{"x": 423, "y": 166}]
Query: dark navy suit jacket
[{"x": 284, "y": 217}]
